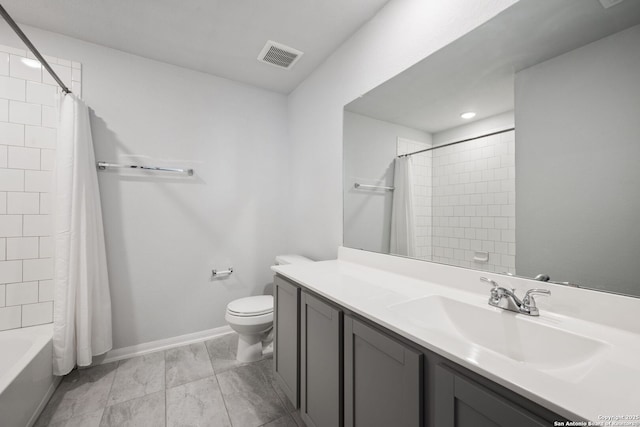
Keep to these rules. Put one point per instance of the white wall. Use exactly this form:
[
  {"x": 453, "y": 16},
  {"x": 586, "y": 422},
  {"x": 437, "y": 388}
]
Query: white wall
[
  {"x": 401, "y": 34},
  {"x": 577, "y": 164},
  {"x": 369, "y": 152},
  {"x": 164, "y": 234}
]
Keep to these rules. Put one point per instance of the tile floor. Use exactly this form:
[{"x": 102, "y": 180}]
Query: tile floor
[{"x": 194, "y": 385}]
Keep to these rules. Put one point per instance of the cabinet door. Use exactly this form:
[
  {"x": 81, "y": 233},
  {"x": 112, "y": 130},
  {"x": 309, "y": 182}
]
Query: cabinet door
[
  {"x": 461, "y": 402},
  {"x": 320, "y": 363},
  {"x": 286, "y": 344},
  {"x": 382, "y": 379}
]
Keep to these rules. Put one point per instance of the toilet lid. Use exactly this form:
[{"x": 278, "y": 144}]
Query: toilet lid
[{"x": 251, "y": 306}]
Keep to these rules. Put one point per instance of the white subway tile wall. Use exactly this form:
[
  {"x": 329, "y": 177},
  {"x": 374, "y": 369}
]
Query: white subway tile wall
[
  {"x": 25, "y": 113},
  {"x": 4, "y": 110},
  {"x": 4, "y": 156},
  {"x": 28, "y": 121},
  {"x": 464, "y": 202},
  {"x": 474, "y": 203},
  {"x": 19, "y": 248},
  {"x": 4, "y": 63},
  {"x": 11, "y": 133}
]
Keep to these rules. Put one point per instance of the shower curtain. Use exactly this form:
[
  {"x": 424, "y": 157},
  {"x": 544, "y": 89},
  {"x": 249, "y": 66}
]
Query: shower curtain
[
  {"x": 82, "y": 304},
  {"x": 403, "y": 233}
]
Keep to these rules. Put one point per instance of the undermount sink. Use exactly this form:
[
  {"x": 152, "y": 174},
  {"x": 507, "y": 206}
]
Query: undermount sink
[{"x": 512, "y": 335}]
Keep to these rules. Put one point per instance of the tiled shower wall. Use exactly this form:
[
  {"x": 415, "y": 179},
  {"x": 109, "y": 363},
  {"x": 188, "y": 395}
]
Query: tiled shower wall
[
  {"x": 422, "y": 193},
  {"x": 28, "y": 120},
  {"x": 474, "y": 203}
]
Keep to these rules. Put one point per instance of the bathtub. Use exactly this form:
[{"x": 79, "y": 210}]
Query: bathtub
[{"x": 26, "y": 374}]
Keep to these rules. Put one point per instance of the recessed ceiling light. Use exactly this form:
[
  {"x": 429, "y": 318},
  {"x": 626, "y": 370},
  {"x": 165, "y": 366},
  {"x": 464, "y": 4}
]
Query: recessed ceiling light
[
  {"x": 468, "y": 115},
  {"x": 30, "y": 63}
]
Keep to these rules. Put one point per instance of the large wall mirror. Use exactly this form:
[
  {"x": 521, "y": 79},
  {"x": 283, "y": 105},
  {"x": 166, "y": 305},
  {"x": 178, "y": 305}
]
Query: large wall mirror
[{"x": 515, "y": 149}]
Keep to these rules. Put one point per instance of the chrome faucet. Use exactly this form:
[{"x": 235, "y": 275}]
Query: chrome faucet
[{"x": 507, "y": 299}]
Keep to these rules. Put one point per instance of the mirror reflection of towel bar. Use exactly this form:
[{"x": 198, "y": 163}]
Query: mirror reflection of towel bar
[{"x": 372, "y": 187}]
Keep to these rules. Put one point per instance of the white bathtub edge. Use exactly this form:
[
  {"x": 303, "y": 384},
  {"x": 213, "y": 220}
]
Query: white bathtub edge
[
  {"x": 28, "y": 383},
  {"x": 40, "y": 336},
  {"x": 163, "y": 344},
  {"x": 44, "y": 401}
]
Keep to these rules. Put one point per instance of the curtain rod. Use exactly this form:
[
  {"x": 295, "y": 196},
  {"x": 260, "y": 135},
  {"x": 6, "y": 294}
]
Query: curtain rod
[
  {"x": 456, "y": 142},
  {"x": 32, "y": 48}
]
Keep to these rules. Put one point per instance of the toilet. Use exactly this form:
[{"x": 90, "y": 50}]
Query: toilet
[{"x": 252, "y": 318}]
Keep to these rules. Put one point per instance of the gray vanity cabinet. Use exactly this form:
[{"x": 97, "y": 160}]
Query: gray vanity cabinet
[
  {"x": 382, "y": 379},
  {"x": 342, "y": 370},
  {"x": 462, "y": 402},
  {"x": 286, "y": 348},
  {"x": 320, "y": 363}
]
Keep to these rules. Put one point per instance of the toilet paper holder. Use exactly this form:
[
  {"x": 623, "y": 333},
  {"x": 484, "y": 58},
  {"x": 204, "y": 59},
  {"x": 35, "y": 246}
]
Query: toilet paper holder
[{"x": 219, "y": 273}]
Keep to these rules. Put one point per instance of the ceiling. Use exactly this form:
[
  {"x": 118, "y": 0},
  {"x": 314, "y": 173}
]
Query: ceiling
[
  {"x": 219, "y": 37},
  {"x": 476, "y": 72}
]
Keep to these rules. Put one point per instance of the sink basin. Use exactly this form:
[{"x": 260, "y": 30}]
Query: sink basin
[{"x": 512, "y": 335}]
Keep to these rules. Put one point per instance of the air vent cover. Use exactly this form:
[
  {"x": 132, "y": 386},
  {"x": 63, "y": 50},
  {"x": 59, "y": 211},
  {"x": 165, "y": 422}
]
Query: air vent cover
[{"x": 279, "y": 55}]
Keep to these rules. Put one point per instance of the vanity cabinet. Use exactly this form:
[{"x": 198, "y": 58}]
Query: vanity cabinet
[
  {"x": 286, "y": 344},
  {"x": 463, "y": 402},
  {"x": 382, "y": 381},
  {"x": 343, "y": 370},
  {"x": 320, "y": 363}
]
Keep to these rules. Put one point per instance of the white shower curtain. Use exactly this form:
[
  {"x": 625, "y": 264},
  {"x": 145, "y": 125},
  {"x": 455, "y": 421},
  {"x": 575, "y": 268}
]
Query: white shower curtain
[
  {"x": 82, "y": 304},
  {"x": 403, "y": 233}
]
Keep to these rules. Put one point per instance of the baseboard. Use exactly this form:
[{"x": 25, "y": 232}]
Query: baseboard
[
  {"x": 45, "y": 399},
  {"x": 153, "y": 346}
]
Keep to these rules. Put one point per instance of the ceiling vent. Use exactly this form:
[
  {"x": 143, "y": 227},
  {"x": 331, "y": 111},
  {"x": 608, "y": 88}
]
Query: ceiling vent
[{"x": 279, "y": 55}]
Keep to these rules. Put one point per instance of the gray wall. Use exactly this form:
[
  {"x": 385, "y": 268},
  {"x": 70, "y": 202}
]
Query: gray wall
[
  {"x": 578, "y": 165},
  {"x": 369, "y": 151}
]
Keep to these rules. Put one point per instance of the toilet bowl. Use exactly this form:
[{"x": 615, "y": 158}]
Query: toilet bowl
[{"x": 252, "y": 318}]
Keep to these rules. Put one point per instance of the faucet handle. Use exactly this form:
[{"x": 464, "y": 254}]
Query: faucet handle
[
  {"x": 489, "y": 281},
  {"x": 529, "y": 303},
  {"x": 496, "y": 294},
  {"x": 530, "y": 292}
]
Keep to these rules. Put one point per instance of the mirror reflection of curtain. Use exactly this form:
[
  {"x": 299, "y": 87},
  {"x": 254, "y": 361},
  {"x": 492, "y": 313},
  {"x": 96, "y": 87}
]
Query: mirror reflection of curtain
[{"x": 403, "y": 232}]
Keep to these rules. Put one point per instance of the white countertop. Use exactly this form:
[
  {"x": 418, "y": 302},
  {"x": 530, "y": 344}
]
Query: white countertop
[{"x": 608, "y": 384}]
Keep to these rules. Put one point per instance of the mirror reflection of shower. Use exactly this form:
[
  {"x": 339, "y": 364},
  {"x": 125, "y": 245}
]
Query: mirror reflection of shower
[
  {"x": 453, "y": 198},
  {"x": 464, "y": 202}
]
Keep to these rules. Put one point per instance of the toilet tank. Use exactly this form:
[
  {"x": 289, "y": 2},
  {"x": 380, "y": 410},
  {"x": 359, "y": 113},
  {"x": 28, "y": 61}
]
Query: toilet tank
[{"x": 291, "y": 259}]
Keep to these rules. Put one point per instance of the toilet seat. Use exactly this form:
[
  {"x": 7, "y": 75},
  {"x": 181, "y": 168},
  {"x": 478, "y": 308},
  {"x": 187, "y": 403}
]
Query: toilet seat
[
  {"x": 256, "y": 321},
  {"x": 251, "y": 306}
]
